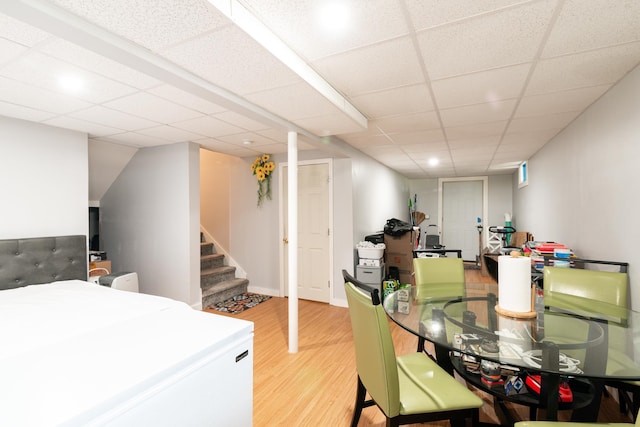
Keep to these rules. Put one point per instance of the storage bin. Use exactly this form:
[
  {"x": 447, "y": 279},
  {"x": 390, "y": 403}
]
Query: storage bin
[
  {"x": 370, "y": 253},
  {"x": 370, "y": 275}
]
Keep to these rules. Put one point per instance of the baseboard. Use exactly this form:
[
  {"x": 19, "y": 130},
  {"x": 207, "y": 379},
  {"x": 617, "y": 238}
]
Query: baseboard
[{"x": 263, "y": 291}]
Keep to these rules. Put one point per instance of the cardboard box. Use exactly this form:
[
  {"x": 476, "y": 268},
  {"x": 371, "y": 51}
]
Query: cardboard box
[
  {"x": 404, "y": 261},
  {"x": 106, "y": 264},
  {"x": 401, "y": 244}
]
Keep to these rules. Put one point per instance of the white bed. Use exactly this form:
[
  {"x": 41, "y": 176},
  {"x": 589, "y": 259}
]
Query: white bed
[{"x": 73, "y": 353}]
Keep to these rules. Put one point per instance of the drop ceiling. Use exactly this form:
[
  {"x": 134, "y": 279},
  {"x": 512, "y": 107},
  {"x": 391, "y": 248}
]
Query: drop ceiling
[{"x": 480, "y": 85}]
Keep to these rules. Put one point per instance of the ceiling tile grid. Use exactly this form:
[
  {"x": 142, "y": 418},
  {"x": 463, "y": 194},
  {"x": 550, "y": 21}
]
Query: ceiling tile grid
[{"x": 480, "y": 85}]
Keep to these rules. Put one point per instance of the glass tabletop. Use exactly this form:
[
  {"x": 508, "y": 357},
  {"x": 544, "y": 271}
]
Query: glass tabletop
[{"x": 573, "y": 342}]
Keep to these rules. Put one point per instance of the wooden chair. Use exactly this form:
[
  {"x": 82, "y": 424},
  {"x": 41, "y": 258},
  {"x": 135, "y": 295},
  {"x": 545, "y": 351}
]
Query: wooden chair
[{"x": 408, "y": 389}]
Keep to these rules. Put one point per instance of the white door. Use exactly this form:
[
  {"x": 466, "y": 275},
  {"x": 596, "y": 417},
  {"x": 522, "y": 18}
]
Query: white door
[
  {"x": 462, "y": 205},
  {"x": 313, "y": 231}
]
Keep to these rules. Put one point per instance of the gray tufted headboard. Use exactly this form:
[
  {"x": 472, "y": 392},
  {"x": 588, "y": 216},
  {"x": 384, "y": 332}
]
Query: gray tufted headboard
[{"x": 42, "y": 260}]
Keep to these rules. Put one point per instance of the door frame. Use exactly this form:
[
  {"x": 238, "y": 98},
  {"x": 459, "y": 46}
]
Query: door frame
[
  {"x": 485, "y": 202},
  {"x": 283, "y": 208}
]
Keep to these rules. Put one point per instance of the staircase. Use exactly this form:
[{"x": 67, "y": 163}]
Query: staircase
[{"x": 218, "y": 281}]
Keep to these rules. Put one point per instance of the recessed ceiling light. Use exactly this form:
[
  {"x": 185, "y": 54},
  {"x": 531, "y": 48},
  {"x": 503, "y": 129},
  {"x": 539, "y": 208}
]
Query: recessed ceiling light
[
  {"x": 247, "y": 141},
  {"x": 433, "y": 161},
  {"x": 71, "y": 83},
  {"x": 334, "y": 17}
]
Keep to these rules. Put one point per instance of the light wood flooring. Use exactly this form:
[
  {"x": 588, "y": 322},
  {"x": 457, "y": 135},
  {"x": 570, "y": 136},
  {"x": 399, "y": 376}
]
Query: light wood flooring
[{"x": 316, "y": 386}]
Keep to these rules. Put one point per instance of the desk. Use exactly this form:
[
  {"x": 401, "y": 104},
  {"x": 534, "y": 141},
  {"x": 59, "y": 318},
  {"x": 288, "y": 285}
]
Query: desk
[{"x": 579, "y": 345}]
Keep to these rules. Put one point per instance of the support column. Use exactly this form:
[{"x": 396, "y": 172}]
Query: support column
[{"x": 292, "y": 215}]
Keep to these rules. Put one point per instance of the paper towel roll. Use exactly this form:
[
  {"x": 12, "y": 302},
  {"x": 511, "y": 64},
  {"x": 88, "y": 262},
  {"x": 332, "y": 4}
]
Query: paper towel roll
[{"x": 514, "y": 283}]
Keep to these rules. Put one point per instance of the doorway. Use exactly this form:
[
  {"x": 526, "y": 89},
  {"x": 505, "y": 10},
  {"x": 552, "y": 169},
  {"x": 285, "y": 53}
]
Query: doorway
[
  {"x": 462, "y": 202},
  {"x": 314, "y": 231}
]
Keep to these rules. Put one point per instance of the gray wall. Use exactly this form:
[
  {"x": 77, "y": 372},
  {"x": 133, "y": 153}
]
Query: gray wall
[
  {"x": 582, "y": 185},
  {"x": 44, "y": 175},
  {"x": 151, "y": 221}
]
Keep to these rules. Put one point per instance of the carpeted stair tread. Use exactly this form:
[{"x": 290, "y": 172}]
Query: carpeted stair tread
[
  {"x": 207, "y": 248},
  {"x": 223, "y": 291},
  {"x": 211, "y": 261}
]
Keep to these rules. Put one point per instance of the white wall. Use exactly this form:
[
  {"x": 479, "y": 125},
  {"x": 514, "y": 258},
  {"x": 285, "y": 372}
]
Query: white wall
[
  {"x": 151, "y": 221},
  {"x": 214, "y": 195},
  {"x": 366, "y": 194},
  {"x": 500, "y": 193},
  {"x": 583, "y": 188},
  {"x": 44, "y": 175}
]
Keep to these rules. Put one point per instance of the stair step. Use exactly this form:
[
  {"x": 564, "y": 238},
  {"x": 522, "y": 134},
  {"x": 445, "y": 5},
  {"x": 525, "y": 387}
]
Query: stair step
[
  {"x": 211, "y": 261},
  {"x": 211, "y": 276},
  {"x": 223, "y": 291},
  {"x": 207, "y": 248}
]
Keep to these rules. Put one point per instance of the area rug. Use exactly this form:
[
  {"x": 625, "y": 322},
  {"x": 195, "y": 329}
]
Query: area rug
[{"x": 240, "y": 303}]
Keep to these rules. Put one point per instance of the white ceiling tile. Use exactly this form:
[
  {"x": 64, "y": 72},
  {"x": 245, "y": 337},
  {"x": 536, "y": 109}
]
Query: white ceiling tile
[
  {"x": 301, "y": 23},
  {"x": 186, "y": 99},
  {"x": 293, "y": 102},
  {"x": 30, "y": 96},
  {"x": 256, "y": 139},
  {"x": 24, "y": 113},
  {"x": 232, "y": 59},
  {"x": 112, "y": 118},
  {"x": 94, "y": 130},
  {"x": 419, "y": 137},
  {"x": 368, "y": 141},
  {"x": 489, "y": 142},
  {"x": 607, "y": 22},
  {"x": 240, "y": 121},
  {"x": 431, "y": 13},
  {"x": 277, "y": 148},
  {"x": 368, "y": 69},
  {"x": 479, "y": 113},
  {"x": 508, "y": 37},
  {"x": 278, "y": 135},
  {"x": 426, "y": 150},
  {"x": 10, "y": 50},
  {"x": 391, "y": 102},
  {"x": 407, "y": 123},
  {"x": 515, "y": 139},
  {"x": 151, "y": 107},
  {"x": 88, "y": 60},
  {"x": 560, "y": 102},
  {"x": 220, "y": 146},
  {"x": 478, "y": 130},
  {"x": 169, "y": 133},
  {"x": 484, "y": 86},
  {"x": 546, "y": 122},
  {"x": 332, "y": 124},
  {"x": 135, "y": 139},
  {"x": 598, "y": 67},
  {"x": 208, "y": 126},
  {"x": 44, "y": 71},
  {"x": 155, "y": 26},
  {"x": 19, "y": 32}
]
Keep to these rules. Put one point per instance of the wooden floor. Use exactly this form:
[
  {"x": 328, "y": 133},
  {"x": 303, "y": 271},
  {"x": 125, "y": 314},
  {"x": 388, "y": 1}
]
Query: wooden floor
[{"x": 316, "y": 386}]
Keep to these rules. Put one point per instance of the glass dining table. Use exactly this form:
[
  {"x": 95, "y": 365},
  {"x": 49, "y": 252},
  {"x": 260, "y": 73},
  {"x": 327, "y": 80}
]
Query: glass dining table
[{"x": 554, "y": 359}]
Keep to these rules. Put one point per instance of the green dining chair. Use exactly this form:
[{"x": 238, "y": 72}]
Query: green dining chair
[
  {"x": 437, "y": 278},
  {"x": 408, "y": 389},
  {"x": 602, "y": 292}
]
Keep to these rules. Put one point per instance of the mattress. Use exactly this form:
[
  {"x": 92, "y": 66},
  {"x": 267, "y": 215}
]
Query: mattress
[{"x": 75, "y": 353}]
